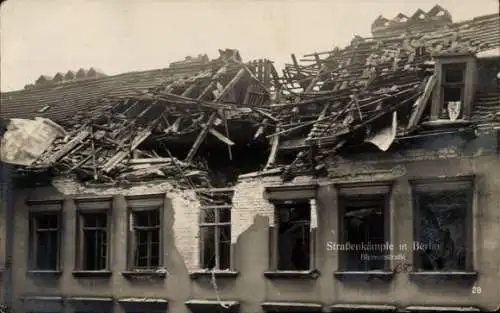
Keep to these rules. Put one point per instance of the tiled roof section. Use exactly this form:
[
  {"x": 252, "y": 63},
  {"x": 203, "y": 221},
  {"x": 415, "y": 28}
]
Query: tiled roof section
[
  {"x": 66, "y": 100},
  {"x": 60, "y": 102}
]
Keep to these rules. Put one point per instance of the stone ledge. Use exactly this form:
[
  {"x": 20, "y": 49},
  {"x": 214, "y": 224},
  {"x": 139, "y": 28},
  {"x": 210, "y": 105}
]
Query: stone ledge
[
  {"x": 45, "y": 273},
  {"x": 461, "y": 276},
  {"x": 91, "y": 274},
  {"x": 144, "y": 274},
  {"x": 218, "y": 274},
  {"x": 309, "y": 274},
  {"x": 362, "y": 275}
]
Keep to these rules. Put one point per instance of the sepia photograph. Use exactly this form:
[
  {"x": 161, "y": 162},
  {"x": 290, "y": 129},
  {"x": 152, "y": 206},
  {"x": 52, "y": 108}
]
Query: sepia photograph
[{"x": 249, "y": 156}]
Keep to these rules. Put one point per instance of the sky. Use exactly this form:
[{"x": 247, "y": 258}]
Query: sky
[{"x": 116, "y": 36}]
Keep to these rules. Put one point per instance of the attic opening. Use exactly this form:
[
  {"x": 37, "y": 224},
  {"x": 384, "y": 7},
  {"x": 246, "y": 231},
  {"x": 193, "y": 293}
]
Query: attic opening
[{"x": 223, "y": 162}]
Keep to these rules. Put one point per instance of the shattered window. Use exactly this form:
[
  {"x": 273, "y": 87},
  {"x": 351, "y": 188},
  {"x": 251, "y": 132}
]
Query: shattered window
[
  {"x": 94, "y": 241},
  {"x": 45, "y": 240},
  {"x": 441, "y": 231},
  {"x": 215, "y": 237},
  {"x": 146, "y": 238},
  {"x": 294, "y": 245},
  {"x": 364, "y": 225}
]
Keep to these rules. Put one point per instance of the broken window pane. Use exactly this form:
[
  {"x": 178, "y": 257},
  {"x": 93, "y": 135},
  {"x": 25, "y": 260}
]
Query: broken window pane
[
  {"x": 46, "y": 241},
  {"x": 440, "y": 244},
  {"x": 94, "y": 235},
  {"x": 364, "y": 224},
  {"x": 146, "y": 228},
  {"x": 294, "y": 236}
]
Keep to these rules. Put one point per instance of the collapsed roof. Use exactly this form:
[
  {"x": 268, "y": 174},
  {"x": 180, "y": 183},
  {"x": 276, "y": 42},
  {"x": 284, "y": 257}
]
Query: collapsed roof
[{"x": 155, "y": 123}]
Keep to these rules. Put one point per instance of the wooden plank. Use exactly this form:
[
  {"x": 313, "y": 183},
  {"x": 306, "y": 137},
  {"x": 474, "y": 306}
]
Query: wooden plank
[
  {"x": 274, "y": 151},
  {"x": 231, "y": 84},
  {"x": 221, "y": 137},
  {"x": 150, "y": 160},
  {"x": 260, "y": 71},
  {"x": 200, "y": 138},
  {"x": 67, "y": 148},
  {"x": 267, "y": 74},
  {"x": 117, "y": 158},
  {"x": 93, "y": 152},
  {"x": 174, "y": 127},
  {"x": 265, "y": 114},
  {"x": 421, "y": 103},
  {"x": 296, "y": 64},
  {"x": 261, "y": 128},
  {"x": 189, "y": 89},
  {"x": 318, "y": 60},
  {"x": 206, "y": 90}
]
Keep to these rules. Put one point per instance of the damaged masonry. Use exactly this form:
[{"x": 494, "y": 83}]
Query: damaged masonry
[{"x": 216, "y": 168}]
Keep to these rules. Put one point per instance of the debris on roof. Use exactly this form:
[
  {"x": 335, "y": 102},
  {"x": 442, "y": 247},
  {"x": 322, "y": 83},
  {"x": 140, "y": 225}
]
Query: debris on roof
[
  {"x": 199, "y": 116},
  {"x": 122, "y": 137},
  {"x": 378, "y": 85}
]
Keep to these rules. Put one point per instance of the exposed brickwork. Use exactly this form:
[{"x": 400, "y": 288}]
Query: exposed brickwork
[
  {"x": 187, "y": 211},
  {"x": 248, "y": 202}
]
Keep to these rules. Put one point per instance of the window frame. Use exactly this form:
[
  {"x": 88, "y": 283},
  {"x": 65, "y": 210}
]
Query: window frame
[
  {"x": 35, "y": 209},
  {"x": 144, "y": 203},
  {"x": 85, "y": 206},
  {"x": 217, "y": 225},
  {"x": 362, "y": 193},
  {"x": 462, "y": 66},
  {"x": 468, "y": 89},
  {"x": 421, "y": 186},
  {"x": 280, "y": 195},
  {"x": 277, "y": 206}
]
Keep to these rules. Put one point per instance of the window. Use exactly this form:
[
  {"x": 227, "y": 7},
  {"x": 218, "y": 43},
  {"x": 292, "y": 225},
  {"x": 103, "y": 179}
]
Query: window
[
  {"x": 452, "y": 91},
  {"x": 93, "y": 236},
  {"x": 294, "y": 235},
  {"x": 145, "y": 226},
  {"x": 93, "y": 241},
  {"x": 442, "y": 224},
  {"x": 215, "y": 237},
  {"x": 364, "y": 227},
  {"x": 45, "y": 240}
]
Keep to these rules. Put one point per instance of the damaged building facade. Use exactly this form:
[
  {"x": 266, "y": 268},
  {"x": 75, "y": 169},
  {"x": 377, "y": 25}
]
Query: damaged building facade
[{"x": 363, "y": 178}]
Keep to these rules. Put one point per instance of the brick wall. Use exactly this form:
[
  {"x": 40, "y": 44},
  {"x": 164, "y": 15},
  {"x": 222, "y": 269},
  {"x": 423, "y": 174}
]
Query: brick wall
[{"x": 248, "y": 202}]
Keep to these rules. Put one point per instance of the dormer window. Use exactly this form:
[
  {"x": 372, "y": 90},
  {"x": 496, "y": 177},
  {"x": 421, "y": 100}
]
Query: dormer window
[
  {"x": 453, "y": 85},
  {"x": 456, "y": 77}
]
